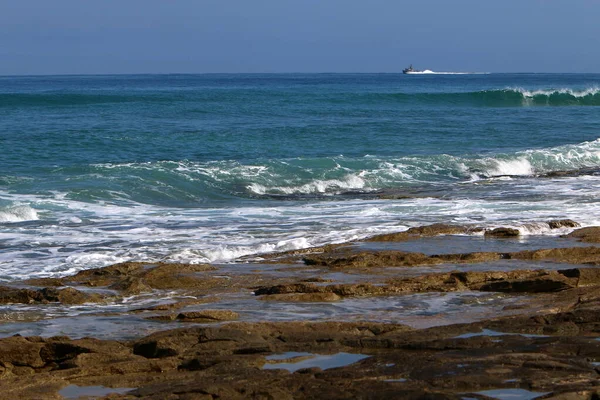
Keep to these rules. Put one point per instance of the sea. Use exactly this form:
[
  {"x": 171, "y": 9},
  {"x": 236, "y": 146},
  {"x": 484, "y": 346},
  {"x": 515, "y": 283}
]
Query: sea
[{"x": 208, "y": 168}]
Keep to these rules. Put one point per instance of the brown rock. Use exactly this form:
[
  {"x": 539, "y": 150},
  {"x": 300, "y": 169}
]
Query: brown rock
[
  {"x": 421, "y": 231},
  {"x": 46, "y": 295},
  {"x": 208, "y": 316},
  {"x": 538, "y": 285},
  {"x": 562, "y": 223},
  {"x": 131, "y": 285},
  {"x": 573, "y": 255},
  {"x": 590, "y": 234},
  {"x": 371, "y": 259},
  {"x": 74, "y": 296},
  {"x": 303, "y": 297},
  {"x": 584, "y": 276},
  {"x": 503, "y": 232},
  {"x": 20, "y": 351}
]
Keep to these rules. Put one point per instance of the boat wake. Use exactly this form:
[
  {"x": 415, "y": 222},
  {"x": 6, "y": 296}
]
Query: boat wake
[{"x": 430, "y": 72}]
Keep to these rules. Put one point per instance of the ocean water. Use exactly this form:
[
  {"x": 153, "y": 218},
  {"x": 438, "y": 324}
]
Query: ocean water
[{"x": 96, "y": 170}]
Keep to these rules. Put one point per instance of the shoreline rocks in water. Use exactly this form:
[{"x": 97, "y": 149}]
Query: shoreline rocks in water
[{"x": 549, "y": 346}]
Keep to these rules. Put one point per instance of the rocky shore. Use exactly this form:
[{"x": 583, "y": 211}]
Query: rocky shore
[{"x": 522, "y": 321}]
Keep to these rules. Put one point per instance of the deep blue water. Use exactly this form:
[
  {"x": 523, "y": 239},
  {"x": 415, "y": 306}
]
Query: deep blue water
[{"x": 98, "y": 169}]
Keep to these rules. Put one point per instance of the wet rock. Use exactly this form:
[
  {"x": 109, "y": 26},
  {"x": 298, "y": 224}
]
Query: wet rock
[
  {"x": 549, "y": 344},
  {"x": 12, "y": 295},
  {"x": 573, "y": 255},
  {"x": 208, "y": 316},
  {"x": 20, "y": 351},
  {"x": 46, "y": 295},
  {"x": 584, "y": 276},
  {"x": 519, "y": 281},
  {"x": 562, "y": 223},
  {"x": 131, "y": 286},
  {"x": 503, "y": 232},
  {"x": 446, "y": 362},
  {"x": 538, "y": 285},
  {"x": 40, "y": 282},
  {"x": 476, "y": 257},
  {"x": 371, "y": 259},
  {"x": 74, "y": 296},
  {"x": 132, "y": 278},
  {"x": 303, "y": 297},
  {"x": 311, "y": 291},
  {"x": 422, "y": 231},
  {"x": 165, "y": 344},
  {"x": 162, "y": 317},
  {"x": 590, "y": 234}
]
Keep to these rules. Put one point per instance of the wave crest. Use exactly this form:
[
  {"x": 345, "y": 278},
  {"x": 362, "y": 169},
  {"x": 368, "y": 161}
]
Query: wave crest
[
  {"x": 507, "y": 97},
  {"x": 18, "y": 214},
  {"x": 190, "y": 183},
  {"x": 317, "y": 186}
]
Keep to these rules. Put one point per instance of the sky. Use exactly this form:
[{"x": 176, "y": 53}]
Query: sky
[{"x": 39, "y": 37}]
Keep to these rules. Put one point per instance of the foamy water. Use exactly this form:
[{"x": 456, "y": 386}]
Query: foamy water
[
  {"x": 97, "y": 170},
  {"x": 65, "y": 236}
]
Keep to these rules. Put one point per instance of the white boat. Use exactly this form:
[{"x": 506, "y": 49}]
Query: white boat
[{"x": 411, "y": 70}]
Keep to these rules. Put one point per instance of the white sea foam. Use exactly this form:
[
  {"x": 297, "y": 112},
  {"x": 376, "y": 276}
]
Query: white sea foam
[
  {"x": 223, "y": 235},
  {"x": 350, "y": 182},
  {"x": 592, "y": 91},
  {"x": 518, "y": 167},
  {"x": 78, "y": 235},
  {"x": 18, "y": 213},
  {"x": 430, "y": 72}
]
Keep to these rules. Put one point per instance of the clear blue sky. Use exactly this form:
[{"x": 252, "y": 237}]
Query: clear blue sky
[{"x": 196, "y": 36}]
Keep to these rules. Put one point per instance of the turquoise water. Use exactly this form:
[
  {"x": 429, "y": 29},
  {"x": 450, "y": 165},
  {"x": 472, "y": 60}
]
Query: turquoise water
[{"x": 206, "y": 168}]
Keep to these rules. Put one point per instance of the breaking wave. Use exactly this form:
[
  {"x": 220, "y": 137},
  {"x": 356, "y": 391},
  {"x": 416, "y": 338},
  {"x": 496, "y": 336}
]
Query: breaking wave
[
  {"x": 508, "y": 97},
  {"x": 189, "y": 183},
  {"x": 17, "y": 214}
]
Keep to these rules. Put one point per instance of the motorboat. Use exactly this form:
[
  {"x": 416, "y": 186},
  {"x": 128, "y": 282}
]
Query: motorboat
[{"x": 410, "y": 70}]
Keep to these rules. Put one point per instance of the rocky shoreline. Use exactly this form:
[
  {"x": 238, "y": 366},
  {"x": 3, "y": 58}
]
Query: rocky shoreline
[{"x": 540, "y": 339}]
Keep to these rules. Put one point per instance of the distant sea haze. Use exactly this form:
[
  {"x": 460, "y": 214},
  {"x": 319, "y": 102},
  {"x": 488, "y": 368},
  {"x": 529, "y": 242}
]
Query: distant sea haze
[{"x": 207, "y": 168}]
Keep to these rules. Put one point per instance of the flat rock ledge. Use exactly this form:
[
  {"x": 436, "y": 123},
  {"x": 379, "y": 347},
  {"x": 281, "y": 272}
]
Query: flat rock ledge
[
  {"x": 548, "y": 348},
  {"x": 520, "y": 281},
  {"x": 555, "y": 355}
]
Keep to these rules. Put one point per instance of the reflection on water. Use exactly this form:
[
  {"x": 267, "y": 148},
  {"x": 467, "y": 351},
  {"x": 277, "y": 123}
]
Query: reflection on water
[
  {"x": 453, "y": 244},
  {"x": 75, "y": 392},
  {"x": 489, "y": 332},
  {"x": 296, "y": 361},
  {"x": 511, "y": 394},
  {"x": 419, "y": 310}
]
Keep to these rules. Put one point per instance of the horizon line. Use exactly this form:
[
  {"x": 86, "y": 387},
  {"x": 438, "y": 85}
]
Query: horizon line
[{"x": 285, "y": 73}]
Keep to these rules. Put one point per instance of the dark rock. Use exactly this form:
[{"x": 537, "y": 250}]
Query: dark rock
[
  {"x": 503, "y": 232},
  {"x": 562, "y": 223},
  {"x": 550, "y": 284}
]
